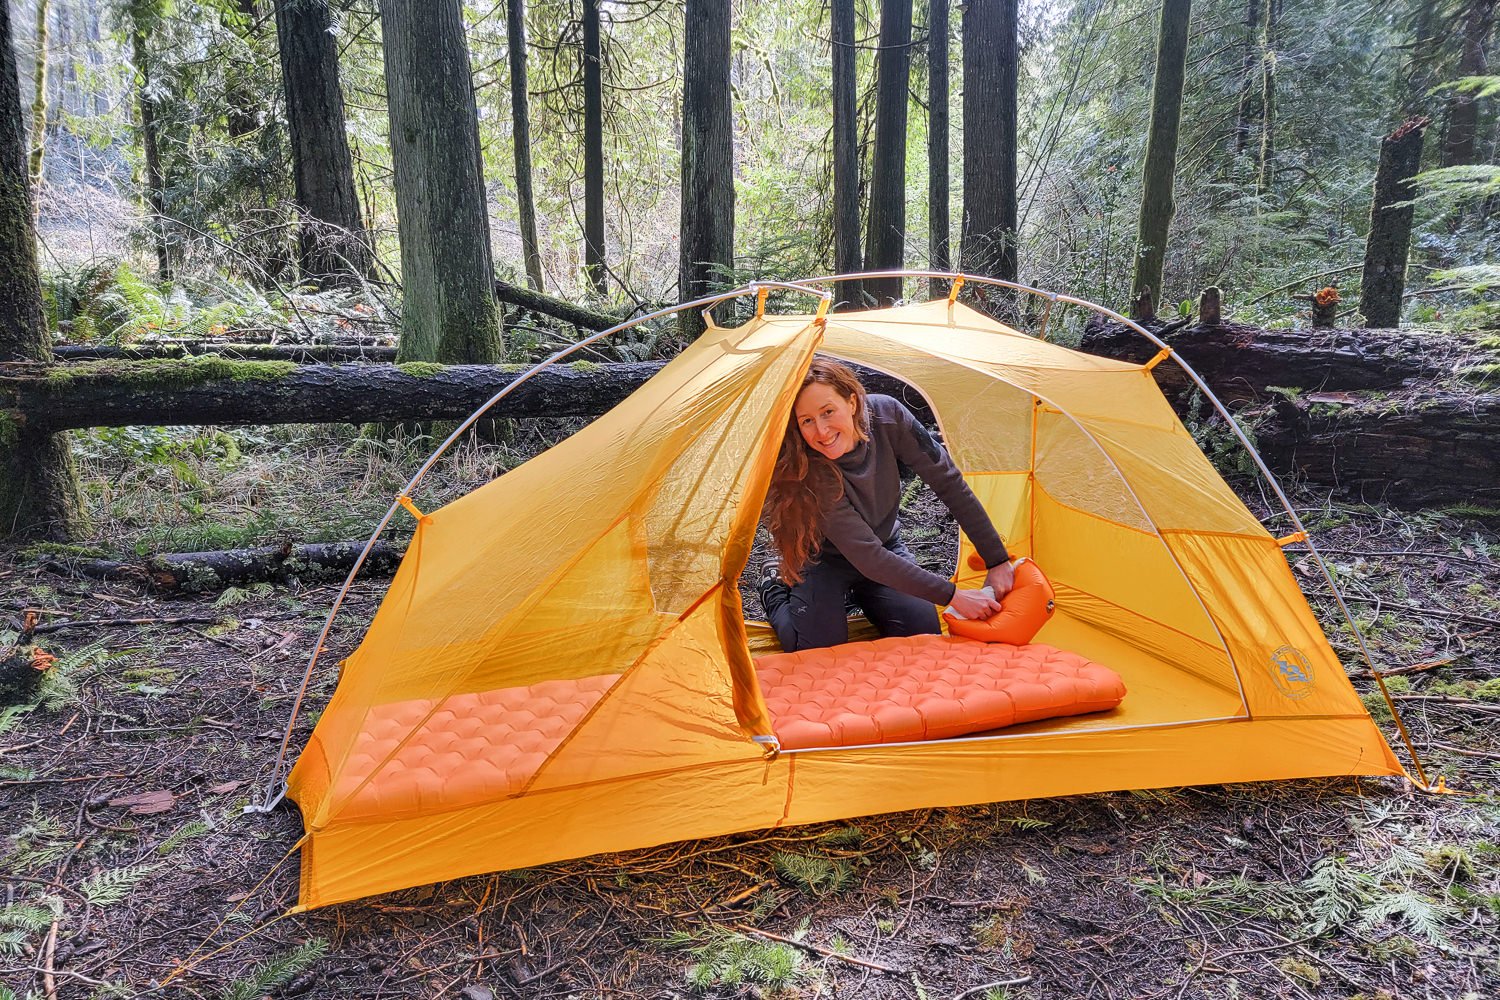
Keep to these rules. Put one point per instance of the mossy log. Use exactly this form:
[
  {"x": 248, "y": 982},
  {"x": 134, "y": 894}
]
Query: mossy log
[
  {"x": 1411, "y": 449},
  {"x": 213, "y": 390},
  {"x": 325, "y": 354},
  {"x": 211, "y": 571},
  {"x": 551, "y": 305},
  {"x": 1240, "y": 361}
]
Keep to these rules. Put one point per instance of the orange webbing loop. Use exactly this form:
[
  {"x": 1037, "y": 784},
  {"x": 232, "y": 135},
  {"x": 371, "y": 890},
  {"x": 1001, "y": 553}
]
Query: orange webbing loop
[
  {"x": 411, "y": 508},
  {"x": 821, "y": 319},
  {"x": 760, "y": 302},
  {"x": 1292, "y": 539},
  {"x": 958, "y": 284},
  {"x": 1161, "y": 355}
]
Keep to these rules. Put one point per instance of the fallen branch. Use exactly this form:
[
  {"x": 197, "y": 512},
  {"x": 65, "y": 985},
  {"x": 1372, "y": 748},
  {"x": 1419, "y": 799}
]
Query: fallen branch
[
  {"x": 205, "y": 571},
  {"x": 817, "y": 950},
  {"x": 550, "y": 305},
  {"x": 121, "y": 623}
]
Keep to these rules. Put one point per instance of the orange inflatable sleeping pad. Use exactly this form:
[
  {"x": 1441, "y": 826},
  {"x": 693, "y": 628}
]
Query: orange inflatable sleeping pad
[
  {"x": 925, "y": 687},
  {"x": 428, "y": 755}
]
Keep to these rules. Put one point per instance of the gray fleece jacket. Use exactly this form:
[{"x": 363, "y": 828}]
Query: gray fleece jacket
[{"x": 865, "y": 519}]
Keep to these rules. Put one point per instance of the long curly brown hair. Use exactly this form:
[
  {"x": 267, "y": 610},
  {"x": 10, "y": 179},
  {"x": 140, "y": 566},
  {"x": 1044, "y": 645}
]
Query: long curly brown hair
[{"x": 804, "y": 484}]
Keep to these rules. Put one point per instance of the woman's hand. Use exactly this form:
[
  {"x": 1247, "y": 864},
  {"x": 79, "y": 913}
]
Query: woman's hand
[
  {"x": 1001, "y": 579},
  {"x": 974, "y": 604}
]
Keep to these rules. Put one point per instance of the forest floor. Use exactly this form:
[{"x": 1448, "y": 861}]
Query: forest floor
[{"x": 126, "y": 855}]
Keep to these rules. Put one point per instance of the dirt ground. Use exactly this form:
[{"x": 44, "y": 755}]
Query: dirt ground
[{"x": 126, "y": 857}]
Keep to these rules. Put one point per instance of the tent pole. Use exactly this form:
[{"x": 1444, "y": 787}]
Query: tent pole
[
  {"x": 1234, "y": 428},
  {"x": 276, "y": 789}
]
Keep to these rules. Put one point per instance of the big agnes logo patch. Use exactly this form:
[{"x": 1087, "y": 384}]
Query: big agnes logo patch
[{"x": 1292, "y": 672}]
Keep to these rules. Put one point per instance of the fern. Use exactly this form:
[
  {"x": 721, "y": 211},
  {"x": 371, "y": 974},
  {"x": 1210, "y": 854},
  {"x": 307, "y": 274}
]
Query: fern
[
  {"x": 180, "y": 836},
  {"x": 1423, "y": 916},
  {"x": 27, "y": 917},
  {"x": 813, "y": 875},
  {"x": 1335, "y": 894},
  {"x": 273, "y": 972},
  {"x": 11, "y": 714},
  {"x": 110, "y": 887}
]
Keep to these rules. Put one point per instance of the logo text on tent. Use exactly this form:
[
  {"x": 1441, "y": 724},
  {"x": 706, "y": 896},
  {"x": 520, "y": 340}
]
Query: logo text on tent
[{"x": 1292, "y": 672}]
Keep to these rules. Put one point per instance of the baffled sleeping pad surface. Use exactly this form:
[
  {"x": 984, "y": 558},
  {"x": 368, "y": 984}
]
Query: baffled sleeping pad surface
[
  {"x": 463, "y": 749},
  {"x": 925, "y": 687},
  {"x": 428, "y": 755}
]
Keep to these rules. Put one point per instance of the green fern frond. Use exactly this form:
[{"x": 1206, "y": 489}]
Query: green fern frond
[
  {"x": 110, "y": 887},
  {"x": 182, "y": 835},
  {"x": 1334, "y": 894},
  {"x": 273, "y": 972},
  {"x": 26, "y": 917},
  {"x": 1422, "y": 916}
]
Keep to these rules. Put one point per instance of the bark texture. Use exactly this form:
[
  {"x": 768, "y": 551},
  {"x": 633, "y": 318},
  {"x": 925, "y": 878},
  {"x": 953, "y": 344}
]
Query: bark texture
[
  {"x": 1412, "y": 449},
  {"x": 331, "y": 236},
  {"x": 990, "y": 67},
  {"x": 1267, "y": 177},
  {"x": 520, "y": 117},
  {"x": 447, "y": 277},
  {"x": 1160, "y": 168},
  {"x": 156, "y": 198},
  {"x": 593, "y": 150},
  {"x": 38, "y": 109},
  {"x": 1239, "y": 361},
  {"x": 1463, "y": 112},
  {"x": 550, "y": 305},
  {"x": 707, "y": 158},
  {"x": 1389, "y": 241},
  {"x": 206, "y": 391},
  {"x": 191, "y": 572},
  {"x": 938, "y": 222},
  {"x": 299, "y": 354},
  {"x": 885, "y": 235},
  {"x": 847, "y": 257},
  {"x": 38, "y": 488}
]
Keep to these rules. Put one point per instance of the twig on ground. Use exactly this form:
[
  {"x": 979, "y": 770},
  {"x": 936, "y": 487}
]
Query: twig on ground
[
  {"x": 123, "y": 623},
  {"x": 997, "y": 984}
]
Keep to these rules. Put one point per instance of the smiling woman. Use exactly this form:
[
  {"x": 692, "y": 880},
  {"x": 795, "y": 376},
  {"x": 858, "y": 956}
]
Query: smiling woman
[{"x": 833, "y": 509}]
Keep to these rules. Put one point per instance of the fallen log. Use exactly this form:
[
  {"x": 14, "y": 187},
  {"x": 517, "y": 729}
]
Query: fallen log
[
  {"x": 1411, "y": 449},
  {"x": 217, "y": 391},
  {"x": 160, "y": 351},
  {"x": 209, "y": 571},
  {"x": 549, "y": 305},
  {"x": 1240, "y": 361}
]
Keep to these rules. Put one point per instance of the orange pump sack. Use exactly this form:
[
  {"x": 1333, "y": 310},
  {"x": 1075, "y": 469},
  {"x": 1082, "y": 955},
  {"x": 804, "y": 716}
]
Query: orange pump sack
[{"x": 1022, "y": 612}]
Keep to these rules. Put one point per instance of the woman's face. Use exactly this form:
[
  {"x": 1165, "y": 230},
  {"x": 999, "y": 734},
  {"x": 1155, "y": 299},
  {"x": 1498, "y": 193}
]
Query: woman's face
[{"x": 826, "y": 420}]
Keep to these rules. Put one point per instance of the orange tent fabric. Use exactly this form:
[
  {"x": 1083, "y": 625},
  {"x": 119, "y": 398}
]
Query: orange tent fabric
[{"x": 612, "y": 559}]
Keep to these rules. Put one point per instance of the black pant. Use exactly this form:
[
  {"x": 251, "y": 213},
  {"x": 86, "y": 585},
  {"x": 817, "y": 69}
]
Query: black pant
[{"x": 811, "y": 615}]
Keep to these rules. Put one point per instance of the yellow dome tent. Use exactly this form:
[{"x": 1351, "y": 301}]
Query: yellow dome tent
[{"x": 561, "y": 666}]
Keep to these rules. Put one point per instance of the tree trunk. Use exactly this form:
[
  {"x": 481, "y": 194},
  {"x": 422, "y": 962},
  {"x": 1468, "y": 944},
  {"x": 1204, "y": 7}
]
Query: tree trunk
[
  {"x": 210, "y": 391},
  {"x": 155, "y": 183},
  {"x": 1267, "y": 174},
  {"x": 885, "y": 235},
  {"x": 38, "y": 489},
  {"x": 847, "y": 258},
  {"x": 331, "y": 236},
  {"x": 1251, "y": 59},
  {"x": 196, "y": 572},
  {"x": 938, "y": 222},
  {"x": 303, "y": 354},
  {"x": 1412, "y": 449},
  {"x": 447, "y": 276},
  {"x": 1160, "y": 167},
  {"x": 1463, "y": 112},
  {"x": 1390, "y": 225},
  {"x": 1240, "y": 362},
  {"x": 989, "y": 219},
  {"x": 520, "y": 116},
  {"x": 707, "y": 220},
  {"x": 549, "y": 305},
  {"x": 38, "y": 110},
  {"x": 593, "y": 150}
]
